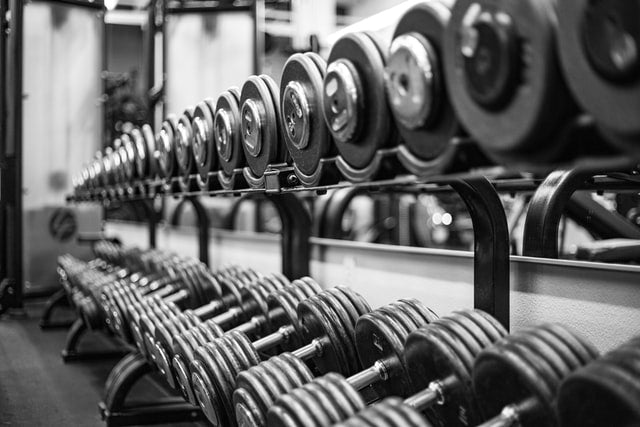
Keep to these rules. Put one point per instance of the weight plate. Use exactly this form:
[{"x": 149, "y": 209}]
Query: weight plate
[
  {"x": 355, "y": 107},
  {"x": 414, "y": 79},
  {"x": 164, "y": 147},
  {"x": 259, "y": 124},
  {"x": 204, "y": 149},
  {"x": 183, "y": 143},
  {"x": 227, "y": 133},
  {"x": 129, "y": 150},
  {"x": 599, "y": 44},
  {"x": 304, "y": 129},
  {"x": 503, "y": 77},
  {"x": 391, "y": 412}
]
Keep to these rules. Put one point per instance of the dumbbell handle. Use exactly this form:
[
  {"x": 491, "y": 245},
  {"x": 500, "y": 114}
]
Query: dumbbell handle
[
  {"x": 214, "y": 306},
  {"x": 435, "y": 392},
  {"x": 257, "y": 322},
  {"x": 282, "y": 335},
  {"x": 510, "y": 414}
]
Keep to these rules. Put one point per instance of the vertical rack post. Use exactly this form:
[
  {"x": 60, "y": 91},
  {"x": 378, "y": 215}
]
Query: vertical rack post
[
  {"x": 152, "y": 221},
  {"x": 491, "y": 246},
  {"x": 203, "y": 225},
  {"x": 296, "y": 230}
]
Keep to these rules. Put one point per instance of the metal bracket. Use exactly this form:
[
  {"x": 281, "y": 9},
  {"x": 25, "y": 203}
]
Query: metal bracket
[
  {"x": 491, "y": 246},
  {"x": 203, "y": 224},
  {"x": 549, "y": 201},
  {"x": 296, "y": 230}
]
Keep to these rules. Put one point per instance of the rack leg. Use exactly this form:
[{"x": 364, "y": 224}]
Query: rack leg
[
  {"x": 122, "y": 379},
  {"x": 59, "y": 299},
  {"x": 71, "y": 353}
]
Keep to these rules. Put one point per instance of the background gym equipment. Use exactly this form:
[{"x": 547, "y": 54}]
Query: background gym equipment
[
  {"x": 503, "y": 77},
  {"x": 599, "y": 44}
]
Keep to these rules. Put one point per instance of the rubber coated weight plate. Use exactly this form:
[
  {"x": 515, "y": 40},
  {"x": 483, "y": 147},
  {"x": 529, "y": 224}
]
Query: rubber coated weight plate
[
  {"x": 597, "y": 395},
  {"x": 183, "y": 143},
  {"x": 259, "y": 124},
  {"x": 129, "y": 165},
  {"x": 503, "y": 78},
  {"x": 164, "y": 147},
  {"x": 415, "y": 82},
  {"x": 204, "y": 149},
  {"x": 431, "y": 355},
  {"x": 391, "y": 412},
  {"x": 304, "y": 128},
  {"x": 227, "y": 133},
  {"x": 599, "y": 44},
  {"x": 355, "y": 106}
]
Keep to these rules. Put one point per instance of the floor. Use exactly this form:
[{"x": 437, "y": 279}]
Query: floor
[{"x": 38, "y": 389}]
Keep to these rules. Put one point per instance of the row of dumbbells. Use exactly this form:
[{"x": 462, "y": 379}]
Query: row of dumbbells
[
  {"x": 509, "y": 75},
  {"x": 296, "y": 355}
]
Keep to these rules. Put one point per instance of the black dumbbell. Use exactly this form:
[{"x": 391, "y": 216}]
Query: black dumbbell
[
  {"x": 146, "y": 161},
  {"x": 599, "y": 44},
  {"x": 204, "y": 152},
  {"x": 252, "y": 317},
  {"x": 604, "y": 392},
  {"x": 165, "y": 149},
  {"x": 355, "y": 106},
  {"x": 516, "y": 380},
  {"x": 324, "y": 322},
  {"x": 129, "y": 158},
  {"x": 260, "y": 127},
  {"x": 235, "y": 301},
  {"x": 280, "y": 309},
  {"x": 227, "y": 136},
  {"x": 380, "y": 336},
  {"x": 504, "y": 80},
  {"x": 183, "y": 148},
  {"x": 379, "y": 340},
  {"x": 416, "y": 90},
  {"x": 304, "y": 130}
]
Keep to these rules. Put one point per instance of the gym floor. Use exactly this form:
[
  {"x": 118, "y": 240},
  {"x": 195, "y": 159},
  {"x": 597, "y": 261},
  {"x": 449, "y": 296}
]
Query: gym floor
[{"x": 38, "y": 389}]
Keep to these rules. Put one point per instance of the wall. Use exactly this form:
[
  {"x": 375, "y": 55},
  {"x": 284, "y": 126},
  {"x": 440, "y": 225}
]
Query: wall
[{"x": 601, "y": 301}]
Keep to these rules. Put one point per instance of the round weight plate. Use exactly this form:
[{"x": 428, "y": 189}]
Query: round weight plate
[
  {"x": 597, "y": 395},
  {"x": 503, "y": 79},
  {"x": 415, "y": 82},
  {"x": 259, "y": 124},
  {"x": 599, "y": 43},
  {"x": 152, "y": 167},
  {"x": 432, "y": 354},
  {"x": 183, "y": 143},
  {"x": 142, "y": 153},
  {"x": 304, "y": 129},
  {"x": 204, "y": 150},
  {"x": 130, "y": 150},
  {"x": 227, "y": 134},
  {"x": 355, "y": 106},
  {"x": 164, "y": 147}
]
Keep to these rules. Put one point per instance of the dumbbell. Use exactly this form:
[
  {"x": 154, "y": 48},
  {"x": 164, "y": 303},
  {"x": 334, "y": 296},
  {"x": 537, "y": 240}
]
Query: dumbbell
[
  {"x": 203, "y": 148},
  {"x": 260, "y": 127},
  {"x": 380, "y": 336},
  {"x": 304, "y": 130},
  {"x": 416, "y": 91},
  {"x": 252, "y": 317},
  {"x": 518, "y": 377},
  {"x": 440, "y": 357},
  {"x": 227, "y": 136},
  {"x": 146, "y": 161},
  {"x": 355, "y": 106},
  {"x": 599, "y": 44},
  {"x": 324, "y": 322},
  {"x": 503, "y": 77},
  {"x": 106, "y": 167},
  {"x": 379, "y": 339},
  {"x": 279, "y": 310},
  {"x": 604, "y": 392},
  {"x": 231, "y": 300},
  {"x": 165, "y": 149},
  {"x": 183, "y": 148}
]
